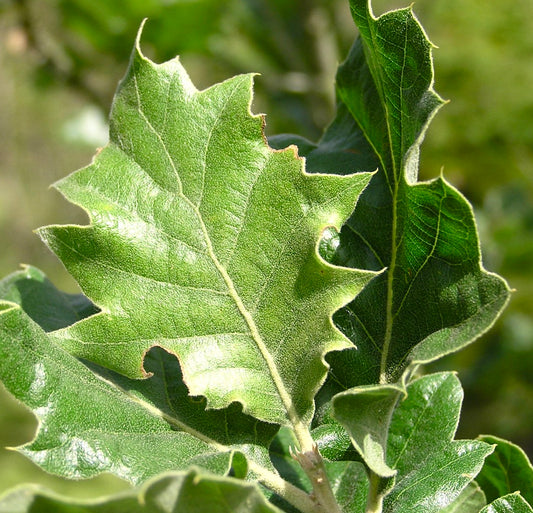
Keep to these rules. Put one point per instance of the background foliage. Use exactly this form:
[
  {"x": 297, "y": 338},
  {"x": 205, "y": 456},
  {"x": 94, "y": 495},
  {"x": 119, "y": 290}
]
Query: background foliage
[{"x": 61, "y": 60}]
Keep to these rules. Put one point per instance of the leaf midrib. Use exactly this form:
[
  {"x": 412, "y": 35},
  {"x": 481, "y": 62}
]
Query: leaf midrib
[
  {"x": 389, "y": 315},
  {"x": 299, "y": 426}
]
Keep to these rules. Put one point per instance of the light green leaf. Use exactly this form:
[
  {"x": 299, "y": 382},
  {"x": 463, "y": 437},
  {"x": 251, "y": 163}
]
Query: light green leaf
[
  {"x": 471, "y": 500},
  {"x": 434, "y": 297},
  {"x": 506, "y": 470},
  {"x": 511, "y": 503},
  {"x": 203, "y": 240},
  {"x": 190, "y": 492},
  {"x": 366, "y": 413},
  {"x": 431, "y": 468},
  {"x": 93, "y": 420}
]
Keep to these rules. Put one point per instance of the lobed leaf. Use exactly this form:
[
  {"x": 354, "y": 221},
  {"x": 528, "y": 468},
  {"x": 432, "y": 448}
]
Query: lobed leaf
[
  {"x": 94, "y": 420},
  {"x": 431, "y": 469},
  {"x": 434, "y": 296},
  {"x": 203, "y": 240},
  {"x": 193, "y": 491}
]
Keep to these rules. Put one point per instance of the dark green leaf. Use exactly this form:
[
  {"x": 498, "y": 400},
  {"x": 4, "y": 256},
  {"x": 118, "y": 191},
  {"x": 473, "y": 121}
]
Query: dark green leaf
[
  {"x": 47, "y": 306},
  {"x": 434, "y": 296},
  {"x": 506, "y": 470},
  {"x": 349, "y": 482}
]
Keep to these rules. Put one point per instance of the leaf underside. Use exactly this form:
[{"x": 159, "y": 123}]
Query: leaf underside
[
  {"x": 205, "y": 243},
  {"x": 92, "y": 420}
]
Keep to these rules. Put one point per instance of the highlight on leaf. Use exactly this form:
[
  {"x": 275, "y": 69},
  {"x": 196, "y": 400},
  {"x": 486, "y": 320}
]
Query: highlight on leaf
[{"x": 258, "y": 313}]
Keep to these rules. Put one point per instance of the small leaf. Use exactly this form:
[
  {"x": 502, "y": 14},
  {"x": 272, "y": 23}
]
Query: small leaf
[
  {"x": 203, "y": 240},
  {"x": 93, "y": 421},
  {"x": 190, "y": 492},
  {"x": 349, "y": 482},
  {"x": 506, "y": 470},
  {"x": 431, "y": 468},
  {"x": 511, "y": 503},
  {"x": 366, "y": 413}
]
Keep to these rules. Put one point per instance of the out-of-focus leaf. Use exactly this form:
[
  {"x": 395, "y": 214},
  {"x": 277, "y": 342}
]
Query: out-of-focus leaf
[
  {"x": 431, "y": 468},
  {"x": 190, "y": 492},
  {"x": 93, "y": 422},
  {"x": 203, "y": 240},
  {"x": 511, "y": 503},
  {"x": 506, "y": 470}
]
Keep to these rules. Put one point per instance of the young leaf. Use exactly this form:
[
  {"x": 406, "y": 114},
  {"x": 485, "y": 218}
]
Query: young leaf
[
  {"x": 366, "y": 413},
  {"x": 431, "y": 468},
  {"x": 511, "y": 503},
  {"x": 506, "y": 470},
  {"x": 192, "y": 492},
  {"x": 203, "y": 240},
  {"x": 91, "y": 423},
  {"x": 434, "y": 297}
]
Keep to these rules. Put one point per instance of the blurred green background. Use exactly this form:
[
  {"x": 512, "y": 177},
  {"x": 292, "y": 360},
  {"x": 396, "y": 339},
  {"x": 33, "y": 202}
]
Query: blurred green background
[{"x": 60, "y": 61}]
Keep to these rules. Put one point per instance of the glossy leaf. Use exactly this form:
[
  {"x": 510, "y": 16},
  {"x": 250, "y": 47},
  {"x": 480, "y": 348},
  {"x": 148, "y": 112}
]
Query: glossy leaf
[
  {"x": 434, "y": 296},
  {"x": 506, "y": 470},
  {"x": 93, "y": 421},
  {"x": 471, "y": 500},
  {"x": 191, "y": 492},
  {"x": 349, "y": 482},
  {"x": 204, "y": 242},
  {"x": 431, "y": 468},
  {"x": 511, "y": 503}
]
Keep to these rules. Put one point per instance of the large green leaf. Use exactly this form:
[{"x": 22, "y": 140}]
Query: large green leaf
[
  {"x": 190, "y": 492},
  {"x": 94, "y": 420},
  {"x": 431, "y": 469},
  {"x": 203, "y": 240},
  {"x": 506, "y": 470},
  {"x": 434, "y": 296}
]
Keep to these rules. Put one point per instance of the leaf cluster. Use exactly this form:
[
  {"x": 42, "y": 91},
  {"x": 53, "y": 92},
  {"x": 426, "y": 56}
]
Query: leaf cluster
[{"x": 253, "y": 324}]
